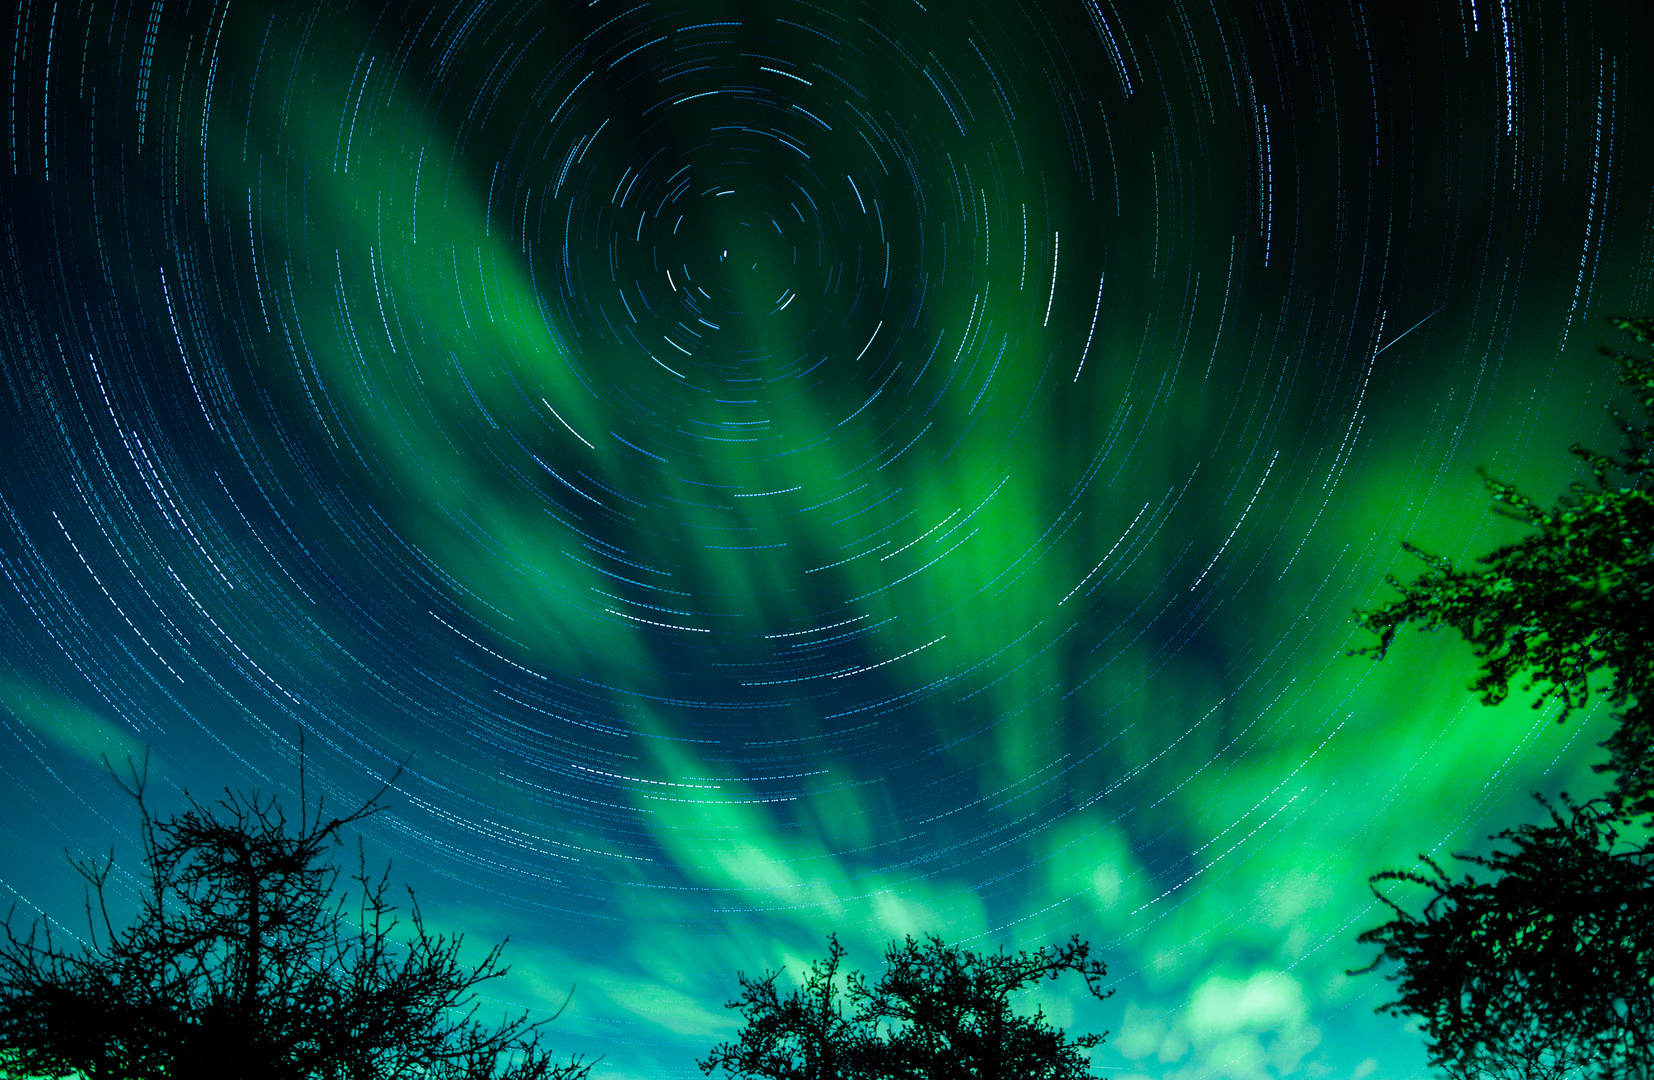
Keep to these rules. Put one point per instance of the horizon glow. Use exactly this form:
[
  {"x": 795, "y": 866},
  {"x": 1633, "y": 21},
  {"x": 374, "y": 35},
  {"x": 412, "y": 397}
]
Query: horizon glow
[{"x": 780, "y": 470}]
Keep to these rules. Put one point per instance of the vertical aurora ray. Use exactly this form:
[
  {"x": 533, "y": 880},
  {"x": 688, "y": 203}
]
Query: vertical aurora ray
[{"x": 791, "y": 468}]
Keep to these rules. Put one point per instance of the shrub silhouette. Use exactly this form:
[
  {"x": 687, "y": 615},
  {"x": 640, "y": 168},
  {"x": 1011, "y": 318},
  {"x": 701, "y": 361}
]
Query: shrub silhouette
[
  {"x": 938, "y": 1013},
  {"x": 247, "y": 960}
]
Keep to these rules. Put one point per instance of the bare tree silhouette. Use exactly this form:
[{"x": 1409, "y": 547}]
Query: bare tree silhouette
[{"x": 247, "y": 959}]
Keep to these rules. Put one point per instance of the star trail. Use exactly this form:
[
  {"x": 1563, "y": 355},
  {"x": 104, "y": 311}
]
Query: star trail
[{"x": 777, "y": 469}]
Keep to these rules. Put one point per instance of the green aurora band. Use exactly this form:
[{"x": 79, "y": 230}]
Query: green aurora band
[{"x": 784, "y": 469}]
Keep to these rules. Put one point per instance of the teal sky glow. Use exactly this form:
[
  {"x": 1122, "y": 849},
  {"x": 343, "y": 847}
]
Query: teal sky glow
[{"x": 791, "y": 468}]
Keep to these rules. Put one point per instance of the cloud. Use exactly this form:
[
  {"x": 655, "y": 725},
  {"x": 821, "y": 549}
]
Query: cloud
[
  {"x": 1253, "y": 1028},
  {"x": 66, "y": 723},
  {"x": 672, "y": 1009},
  {"x": 1222, "y": 1007}
]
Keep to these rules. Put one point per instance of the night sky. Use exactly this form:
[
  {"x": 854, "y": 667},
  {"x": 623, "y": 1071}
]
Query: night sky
[{"x": 781, "y": 468}]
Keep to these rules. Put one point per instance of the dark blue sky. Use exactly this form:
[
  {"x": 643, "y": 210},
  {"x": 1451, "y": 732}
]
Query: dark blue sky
[{"x": 791, "y": 468}]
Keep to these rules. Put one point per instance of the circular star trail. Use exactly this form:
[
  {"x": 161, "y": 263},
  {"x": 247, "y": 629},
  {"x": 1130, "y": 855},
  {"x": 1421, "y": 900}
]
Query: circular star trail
[{"x": 765, "y": 470}]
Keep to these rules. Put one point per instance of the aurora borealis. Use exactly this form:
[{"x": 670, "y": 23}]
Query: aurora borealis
[{"x": 774, "y": 469}]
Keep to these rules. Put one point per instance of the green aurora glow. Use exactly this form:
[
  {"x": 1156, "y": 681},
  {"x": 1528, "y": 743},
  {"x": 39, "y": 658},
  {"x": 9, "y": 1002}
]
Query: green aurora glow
[{"x": 997, "y": 585}]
